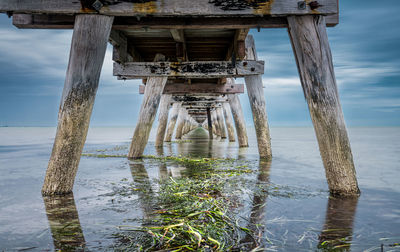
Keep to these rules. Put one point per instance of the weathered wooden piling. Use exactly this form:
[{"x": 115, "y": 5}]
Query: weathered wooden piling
[
  {"x": 88, "y": 47},
  {"x": 314, "y": 62},
  {"x": 228, "y": 121},
  {"x": 148, "y": 111},
  {"x": 172, "y": 121},
  {"x": 181, "y": 120},
  {"x": 306, "y": 26},
  {"x": 209, "y": 124},
  {"x": 216, "y": 126},
  {"x": 255, "y": 92},
  {"x": 238, "y": 118},
  {"x": 163, "y": 119},
  {"x": 221, "y": 124}
]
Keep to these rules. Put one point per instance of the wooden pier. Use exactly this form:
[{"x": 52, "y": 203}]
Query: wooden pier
[{"x": 188, "y": 53}]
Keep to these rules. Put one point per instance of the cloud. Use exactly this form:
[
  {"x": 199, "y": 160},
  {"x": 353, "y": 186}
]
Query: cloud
[
  {"x": 36, "y": 51},
  {"x": 45, "y": 53}
]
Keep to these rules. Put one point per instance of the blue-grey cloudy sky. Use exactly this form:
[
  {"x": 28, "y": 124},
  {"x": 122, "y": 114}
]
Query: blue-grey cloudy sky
[{"x": 365, "y": 47}]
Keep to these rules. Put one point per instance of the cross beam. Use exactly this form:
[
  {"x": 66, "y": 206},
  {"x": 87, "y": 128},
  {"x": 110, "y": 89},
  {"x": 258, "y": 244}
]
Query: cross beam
[
  {"x": 173, "y": 8},
  {"x": 57, "y": 21},
  {"x": 197, "y": 98},
  {"x": 193, "y": 69},
  {"x": 175, "y": 89}
]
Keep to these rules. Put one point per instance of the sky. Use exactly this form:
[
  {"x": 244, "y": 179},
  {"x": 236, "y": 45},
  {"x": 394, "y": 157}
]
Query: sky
[{"x": 365, "y": 48}]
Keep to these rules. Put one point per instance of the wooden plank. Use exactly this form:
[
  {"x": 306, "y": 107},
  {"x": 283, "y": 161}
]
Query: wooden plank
[
  {"x": 172, "y": 7},
  {"x": 88, "y": 48},
  {"x": 314, "y": 62},
  {"x": 176, "y": 89},
  {"x": 196, "y": 69},
  {"x": 53, "y": 21}
]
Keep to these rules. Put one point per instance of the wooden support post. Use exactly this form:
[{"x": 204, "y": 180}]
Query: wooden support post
[
  {"x": 89, "y": 42},
  {"x": 181, "y": 120},
  {"x": 228, "y": 121},
  {"x": 185, "y": 124},
  {"x": 162, "y": 119},
  {"x": 215, "y": 123},
  {"x": 148, "y": 111},
  {"x": 238, "y": 118},
  {"x": 209, "y": 123},
  {"x": 172, "y": 121},
  {"x": 314, "y": 62},
  {"x": 255, "y": 92},
  {"x": 220, "y": 118}
]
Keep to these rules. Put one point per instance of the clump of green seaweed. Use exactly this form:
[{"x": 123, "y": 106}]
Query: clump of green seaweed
[{"x": 192, "y": 213}]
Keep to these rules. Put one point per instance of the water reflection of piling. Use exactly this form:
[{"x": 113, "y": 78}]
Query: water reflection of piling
[
  {"x": 338, "y": 228},
  {"x": 64, "y": 223},
  {"x": 256, "y": 222},
  {"x": 242, "y": 153},
  {"x": 142, "y": 183}
]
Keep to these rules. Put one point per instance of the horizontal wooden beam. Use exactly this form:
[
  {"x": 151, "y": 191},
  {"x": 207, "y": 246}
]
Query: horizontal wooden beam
[
  {"x": 193, "y": 69},
  {"x": 60, "y": 21},
  {"x": 196, "y": 97},
  {"x": 201, "y": 107},
  {"x": 172, "y": 8},
  {"x": 176, "y": 89}
]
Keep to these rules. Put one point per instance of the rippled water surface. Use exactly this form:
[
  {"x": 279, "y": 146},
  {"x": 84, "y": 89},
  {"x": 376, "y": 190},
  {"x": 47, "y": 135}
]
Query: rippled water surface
[{"x": 293, "y": 212}]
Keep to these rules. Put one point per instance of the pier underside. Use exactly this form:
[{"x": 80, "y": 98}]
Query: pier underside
[{"x": 188, "y": 54}]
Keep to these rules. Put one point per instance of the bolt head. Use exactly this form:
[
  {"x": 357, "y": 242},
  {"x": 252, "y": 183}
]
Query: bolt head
[
  {"x": 301, "y": 5},
  {"x": 97, "y": 5}
]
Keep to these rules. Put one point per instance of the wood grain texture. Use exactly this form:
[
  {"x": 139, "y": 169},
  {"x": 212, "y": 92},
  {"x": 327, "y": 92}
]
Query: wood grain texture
[
  {"x": 162, "y": 119},
  {"x": 228, "y": 121},
  {"x": 221, "y": 123},
  {"x": 172, "y": 121},
  {"x": 148, "y": 111},
  {"x": 181, "y": 121},
  {"x": 209, "y": 124},
  {"x": 238, "y": 118},
  {"x": 314, "y": 61},
  {"x": 216, "y": 125},
  {"x": 57, "y": 21},
  {"x": 255, "y": 92},
  {"x": 88, "y": 47},
  {"x": 182, "y": 89},
  {"x": 155, "y": 8},
  {"x": 191, "y": 69}
]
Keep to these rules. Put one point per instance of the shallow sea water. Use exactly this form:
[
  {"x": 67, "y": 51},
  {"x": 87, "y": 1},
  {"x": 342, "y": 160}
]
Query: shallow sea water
[{"x": 298, "y": 220}]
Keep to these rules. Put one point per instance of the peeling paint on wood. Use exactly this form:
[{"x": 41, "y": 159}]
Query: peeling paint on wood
[{"x": 197, "y": 69}]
